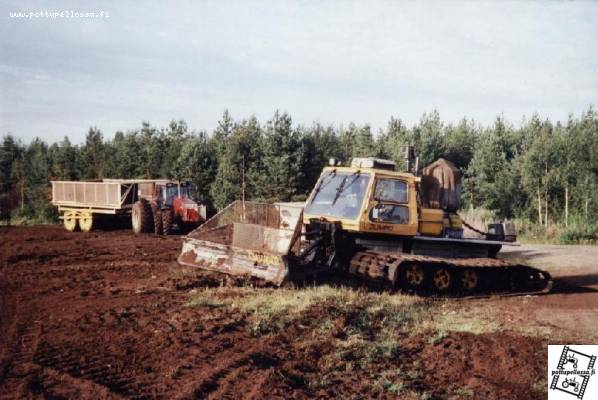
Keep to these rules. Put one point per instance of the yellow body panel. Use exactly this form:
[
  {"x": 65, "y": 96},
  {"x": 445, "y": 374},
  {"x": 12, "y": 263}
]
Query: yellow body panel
[{"x": 431, "y": 222}]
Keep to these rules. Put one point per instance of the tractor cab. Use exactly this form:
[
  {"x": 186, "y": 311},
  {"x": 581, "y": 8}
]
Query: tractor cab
[
  {"x": 172, "y": 190},
  {"x": 174, "y": 198}
]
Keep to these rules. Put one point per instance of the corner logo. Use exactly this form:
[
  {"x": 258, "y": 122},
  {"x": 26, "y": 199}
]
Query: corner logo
[{"x": 571, "y": 371}]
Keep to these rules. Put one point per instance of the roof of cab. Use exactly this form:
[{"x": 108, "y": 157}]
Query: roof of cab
[{"x": 376, "y": 171}]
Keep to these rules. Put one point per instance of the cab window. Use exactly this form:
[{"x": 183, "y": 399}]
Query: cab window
[
  {"x": 393, "y": 190},
  {"x": 390, "y": 213}
]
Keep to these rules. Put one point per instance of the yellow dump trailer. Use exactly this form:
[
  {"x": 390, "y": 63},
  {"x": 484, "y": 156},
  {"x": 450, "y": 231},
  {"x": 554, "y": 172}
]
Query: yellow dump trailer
[{"x": 79, "y": 201}]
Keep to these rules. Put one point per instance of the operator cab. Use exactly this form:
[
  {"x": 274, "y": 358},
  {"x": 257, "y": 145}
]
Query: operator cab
[
  {"x": 367, "y": 196},
  {"x": 392, "y": 198},
  {"x": 172, "y": 190}
]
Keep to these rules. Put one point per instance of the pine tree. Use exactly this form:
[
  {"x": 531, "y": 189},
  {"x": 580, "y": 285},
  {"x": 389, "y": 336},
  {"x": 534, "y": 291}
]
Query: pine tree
[
  {"x": 491, "y": 180},
  {"x": 281, "y": 159},
  {"x": 319, "y": 144},
  {"x": 197, "y": 163},
  {"x": 460, "y": 143},
  {"x": 428, "y": 138},
  {"x": 63, "y": 157},
  {"x": 93, "y": 156},
  {"x": 151, "y": 148},
  {"x": 364, "y": 145},
  {"x": 172, "y": 144},
  {"x": 238, "y": 166},
  {"x": 127, "y": 157},
  {"x": 223, "y": 132},
  {"x": 37, "y": 177},
  {"x": 392, "y": 142},
  {"x": 11, "y": 176}
]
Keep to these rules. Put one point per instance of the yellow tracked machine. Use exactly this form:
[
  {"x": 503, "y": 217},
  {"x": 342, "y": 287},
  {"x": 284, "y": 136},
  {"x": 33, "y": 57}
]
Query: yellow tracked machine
[{"x": 369, "y": 220}]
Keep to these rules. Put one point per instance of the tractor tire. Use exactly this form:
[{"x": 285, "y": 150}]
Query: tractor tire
[
  {"x": 141, "y": 217},
  {"x": 157, "y": 217},
  {"x": 167, "y": 221}
]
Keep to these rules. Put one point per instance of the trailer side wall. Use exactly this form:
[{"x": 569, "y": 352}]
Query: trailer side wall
[{"x": 87, "y": 194}]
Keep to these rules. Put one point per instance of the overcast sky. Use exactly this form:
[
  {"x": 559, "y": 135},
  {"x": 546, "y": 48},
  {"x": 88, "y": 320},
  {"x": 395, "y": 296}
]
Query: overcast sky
[{"x": 328, "y": 61}]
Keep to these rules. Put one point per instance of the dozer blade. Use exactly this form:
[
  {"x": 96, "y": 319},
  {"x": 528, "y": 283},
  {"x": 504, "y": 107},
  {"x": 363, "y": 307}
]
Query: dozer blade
[{"x": 246, "y": 238}]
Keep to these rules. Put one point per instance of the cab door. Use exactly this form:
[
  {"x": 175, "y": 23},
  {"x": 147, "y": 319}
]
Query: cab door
[{"x": 392, "y": 207}]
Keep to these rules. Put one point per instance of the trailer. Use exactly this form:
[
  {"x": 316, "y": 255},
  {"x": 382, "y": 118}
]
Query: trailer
[{"x": 154, "y": 204}]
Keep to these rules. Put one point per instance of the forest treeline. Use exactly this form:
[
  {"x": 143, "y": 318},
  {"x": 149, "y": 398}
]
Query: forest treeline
[{"x": 540, "y": 171}]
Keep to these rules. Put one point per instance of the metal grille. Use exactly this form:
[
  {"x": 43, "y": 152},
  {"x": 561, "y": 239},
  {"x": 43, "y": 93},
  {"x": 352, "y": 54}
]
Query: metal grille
[{"x": 263, "y": 214}]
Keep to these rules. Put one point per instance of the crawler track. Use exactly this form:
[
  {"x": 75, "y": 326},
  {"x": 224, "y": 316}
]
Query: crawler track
[{"x": 467, "y": 277}]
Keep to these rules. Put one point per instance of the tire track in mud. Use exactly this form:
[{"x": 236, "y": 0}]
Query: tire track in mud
[
  {"x": 46, "y": 293},
  {"x": 230, "y": 371}
]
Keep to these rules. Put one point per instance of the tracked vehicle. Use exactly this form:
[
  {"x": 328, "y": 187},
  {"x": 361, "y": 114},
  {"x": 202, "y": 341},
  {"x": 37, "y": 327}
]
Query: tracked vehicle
[{"x": 392, "y": 228}]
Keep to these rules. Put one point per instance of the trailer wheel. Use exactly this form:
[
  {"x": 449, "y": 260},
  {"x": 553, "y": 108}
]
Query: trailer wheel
[
  {"x": 141, "y": 217},
  {"x": 70, "y": 221},
  {"x": 157, "y": 218},
  {"x": 167, "y": 220},
  {"x": 86, "y": 221}
]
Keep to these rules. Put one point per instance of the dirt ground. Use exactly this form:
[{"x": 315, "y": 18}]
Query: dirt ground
[{"x": 106, "y": 315}]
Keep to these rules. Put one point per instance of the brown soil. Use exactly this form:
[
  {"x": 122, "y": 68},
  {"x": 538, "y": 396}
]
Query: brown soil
[{"x": 103, "y": 315}]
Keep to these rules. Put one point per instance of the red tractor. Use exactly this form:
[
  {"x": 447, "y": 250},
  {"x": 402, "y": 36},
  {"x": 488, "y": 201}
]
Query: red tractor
[{"x": 163, "y": 204}]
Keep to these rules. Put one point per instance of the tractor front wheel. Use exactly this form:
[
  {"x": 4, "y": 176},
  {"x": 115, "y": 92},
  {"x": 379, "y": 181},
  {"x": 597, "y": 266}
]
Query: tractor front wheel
[
  {"x": 167, "y": 220},
  {"x": 157, "y": 217}
]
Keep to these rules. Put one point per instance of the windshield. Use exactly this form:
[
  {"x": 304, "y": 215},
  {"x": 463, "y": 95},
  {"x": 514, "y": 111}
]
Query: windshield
[
  {"x": 184, "y": 191},
  {"x": 173, "y": 191},
  {"x": 339, "y": 195}
]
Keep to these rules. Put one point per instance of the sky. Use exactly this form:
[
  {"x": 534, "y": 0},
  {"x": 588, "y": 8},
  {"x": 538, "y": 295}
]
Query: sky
[{"x": 332, "y": 61}]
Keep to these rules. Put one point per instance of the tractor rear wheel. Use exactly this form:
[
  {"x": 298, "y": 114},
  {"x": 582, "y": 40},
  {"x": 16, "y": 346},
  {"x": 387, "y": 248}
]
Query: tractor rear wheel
[
  {"x": 141, "y": 217},
  {"x": 167, "y": 220}
]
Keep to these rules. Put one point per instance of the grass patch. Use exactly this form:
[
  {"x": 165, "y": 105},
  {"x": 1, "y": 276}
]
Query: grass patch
[
  {"x": 470, "y": 322},
  {"x": 272, "y": 310},
  {"x": 391, "y": 382},
  {"x": 580, "y": 230},
  {"x": 370, "y": 325}
]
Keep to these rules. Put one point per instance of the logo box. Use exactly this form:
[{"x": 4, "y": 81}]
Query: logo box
[{"x": 571, "y": 372}]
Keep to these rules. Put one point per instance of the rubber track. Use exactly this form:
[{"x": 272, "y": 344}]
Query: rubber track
[{"x": 381, "y": 266}]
